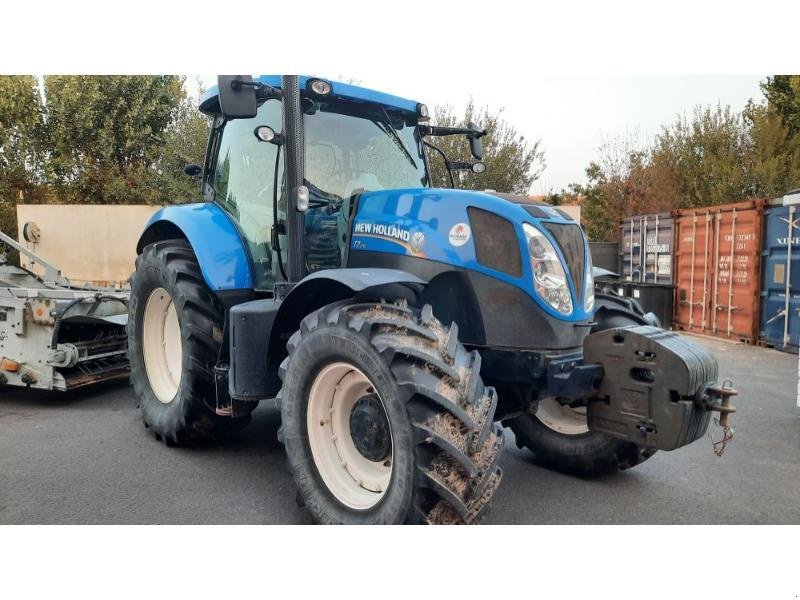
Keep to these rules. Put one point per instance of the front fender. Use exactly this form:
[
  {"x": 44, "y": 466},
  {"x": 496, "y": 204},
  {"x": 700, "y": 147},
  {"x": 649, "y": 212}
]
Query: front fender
[
  {"x": 331, "y": 285},
  {"x": 322, "y": 288},
  {"x": 216, "y": 242}
]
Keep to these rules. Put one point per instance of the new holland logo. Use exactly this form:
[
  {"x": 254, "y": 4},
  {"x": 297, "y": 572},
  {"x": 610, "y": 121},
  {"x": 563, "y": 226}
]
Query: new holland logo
[
  {"x": 412, "y": 242},
  {"x": 380, "y": 230},
  {"x": 417, "y": 241}
]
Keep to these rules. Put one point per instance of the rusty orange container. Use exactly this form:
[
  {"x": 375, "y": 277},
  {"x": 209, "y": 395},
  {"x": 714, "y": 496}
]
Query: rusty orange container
[{"x": 717, "y": 270}]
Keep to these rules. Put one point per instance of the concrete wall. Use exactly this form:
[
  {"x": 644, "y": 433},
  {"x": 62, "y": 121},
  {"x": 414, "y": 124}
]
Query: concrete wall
[
  {"x": 97, "y": 243},
  {"x": 88, "y": 242}
]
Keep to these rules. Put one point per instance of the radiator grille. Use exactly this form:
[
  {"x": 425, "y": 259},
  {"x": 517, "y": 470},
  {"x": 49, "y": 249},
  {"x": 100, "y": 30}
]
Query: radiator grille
[{"x": 496, "y": 243}]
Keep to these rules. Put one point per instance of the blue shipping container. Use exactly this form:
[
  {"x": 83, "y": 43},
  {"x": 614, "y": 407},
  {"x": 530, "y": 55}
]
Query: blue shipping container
[{"x": 780, "y": 283}]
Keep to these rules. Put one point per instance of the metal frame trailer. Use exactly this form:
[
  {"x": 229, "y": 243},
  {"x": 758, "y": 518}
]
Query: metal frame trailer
[{"x": 54, "y": 336}]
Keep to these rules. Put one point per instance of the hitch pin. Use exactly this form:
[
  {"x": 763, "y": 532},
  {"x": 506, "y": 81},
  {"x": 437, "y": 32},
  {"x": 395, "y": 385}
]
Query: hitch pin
[{"x": 724, "y": 408}]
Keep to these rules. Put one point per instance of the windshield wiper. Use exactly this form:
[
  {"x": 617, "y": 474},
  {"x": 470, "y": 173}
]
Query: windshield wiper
[{"x": 389, "y": 128}]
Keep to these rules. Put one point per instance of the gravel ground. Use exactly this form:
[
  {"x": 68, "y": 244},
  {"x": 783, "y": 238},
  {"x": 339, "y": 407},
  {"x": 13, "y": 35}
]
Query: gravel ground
[{"x": 85, "y": 458}]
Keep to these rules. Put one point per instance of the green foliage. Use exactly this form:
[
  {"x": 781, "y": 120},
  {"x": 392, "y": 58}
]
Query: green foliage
[
  {"x": 619, "y": 184},
  {"x": 104, "y": 134},
  {"x": 594, "y": 197},
  {"x": 715, "y": 156},
  {"x": 775, "y": 153},
  {"x": 783, "y": 98},
  {"x": 512, "y": 163},
  {"x": 20, "y": 146},
  {"x": 706, "y": 157},
  {"x": 184, "y": 144},
  {"x": 97, "y": 139}
]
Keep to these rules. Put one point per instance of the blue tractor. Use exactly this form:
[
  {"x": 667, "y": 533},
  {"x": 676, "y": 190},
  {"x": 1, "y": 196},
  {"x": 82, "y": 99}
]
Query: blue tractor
[{"x": 394, "y": 325}]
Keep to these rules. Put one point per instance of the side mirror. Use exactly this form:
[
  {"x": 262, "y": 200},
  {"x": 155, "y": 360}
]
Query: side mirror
[
  {"x": 193, "y": 170},
  {"x": 475, "y": 143},
  {"x": 237, "y": 96}
]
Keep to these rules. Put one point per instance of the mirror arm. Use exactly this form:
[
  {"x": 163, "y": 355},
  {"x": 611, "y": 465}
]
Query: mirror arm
[
  {"x": 442, "y": 131},
  {"x": 267, "y": 90},
  {"x": 446, "y": 161},
  {"x": 262, "y": 89}
]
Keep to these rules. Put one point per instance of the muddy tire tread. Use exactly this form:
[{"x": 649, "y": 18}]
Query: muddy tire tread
[
  {"x": 457, "y": 448},
  {"x": 192, "y": 420}
]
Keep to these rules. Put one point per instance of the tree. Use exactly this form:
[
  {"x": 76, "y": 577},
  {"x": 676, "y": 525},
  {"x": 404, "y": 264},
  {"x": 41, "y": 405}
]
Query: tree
[
  {"x": 713, "y": 156},
  {"x": 512, "y": 163},
  {"x": 775, "y": 154},
  {"x": 782, "y": 93},
  {"x": 21, "y": 176},
  {"x": 184, "y": 144},
  {"x": 104, "y": 133},
  {"x": 619, "y": 184},
  {"x": 706, "y": 157},
  {"x": 775, "y": 134}
]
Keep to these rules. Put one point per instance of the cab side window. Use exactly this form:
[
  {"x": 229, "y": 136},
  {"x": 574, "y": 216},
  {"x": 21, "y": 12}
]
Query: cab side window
[{"x": 243, "y": 180}]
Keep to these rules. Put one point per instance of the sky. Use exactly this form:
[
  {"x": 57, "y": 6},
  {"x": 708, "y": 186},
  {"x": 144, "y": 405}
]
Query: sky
[{"x": 572, "y": 116}]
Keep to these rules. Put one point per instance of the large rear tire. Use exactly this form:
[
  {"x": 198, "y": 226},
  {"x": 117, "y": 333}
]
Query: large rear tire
[
  {"x": 385, "y": 418},
  {"x": 174, "y": 336},
  {"x": 559, "y": 436}
]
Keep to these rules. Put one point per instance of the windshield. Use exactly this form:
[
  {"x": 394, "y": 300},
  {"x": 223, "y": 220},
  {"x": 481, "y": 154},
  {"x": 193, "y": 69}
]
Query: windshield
[{"x": 351, "y": 148}]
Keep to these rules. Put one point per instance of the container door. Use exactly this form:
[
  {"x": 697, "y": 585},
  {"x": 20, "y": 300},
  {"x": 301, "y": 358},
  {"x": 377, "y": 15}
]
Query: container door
[
  {"x": 694, "y": 258},
  {"x": 737, "y": 273},
  {"x": 631, "y": 249},
  {"x": 780, "y": 310},
  {"x": 658, "y": 234}
]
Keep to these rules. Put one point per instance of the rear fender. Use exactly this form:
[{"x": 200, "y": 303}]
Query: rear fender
[{"x": 220, "y": 250}]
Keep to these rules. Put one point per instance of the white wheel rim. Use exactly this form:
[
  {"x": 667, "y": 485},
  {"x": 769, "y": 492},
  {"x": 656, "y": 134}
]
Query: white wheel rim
[
  {"x": 353, "y": 479},
  {"x": 563, "y": 419},
  {"x": 161, "y": 345}
]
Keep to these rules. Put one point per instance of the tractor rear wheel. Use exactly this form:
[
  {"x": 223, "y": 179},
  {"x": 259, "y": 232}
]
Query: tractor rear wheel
[
  {"x": 174, "y": 337},
  {"x": 559, "y": 435},
  {"x": 385, "y": 418}
]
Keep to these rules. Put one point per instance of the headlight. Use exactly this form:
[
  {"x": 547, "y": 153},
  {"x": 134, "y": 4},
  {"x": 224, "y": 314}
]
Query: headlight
[{"x": 549, "y": 277}]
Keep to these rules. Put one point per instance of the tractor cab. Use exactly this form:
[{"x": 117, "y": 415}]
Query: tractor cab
[{"x": 355, "y": 140}]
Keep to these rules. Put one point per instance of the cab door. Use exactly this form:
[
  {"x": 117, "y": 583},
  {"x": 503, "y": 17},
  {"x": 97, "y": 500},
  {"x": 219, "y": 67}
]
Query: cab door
[{"x": 243, "y": 181}]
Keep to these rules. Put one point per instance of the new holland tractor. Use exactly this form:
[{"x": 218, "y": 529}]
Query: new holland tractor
[{"x": 393, "y": 324}]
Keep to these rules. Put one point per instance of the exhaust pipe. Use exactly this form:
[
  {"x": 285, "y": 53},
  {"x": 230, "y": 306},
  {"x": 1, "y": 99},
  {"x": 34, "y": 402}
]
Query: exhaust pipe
[{"x": 294, "y": 164}]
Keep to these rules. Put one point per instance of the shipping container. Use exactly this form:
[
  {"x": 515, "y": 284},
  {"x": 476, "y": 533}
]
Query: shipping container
[
  {"x": 645, "y": 248},
  {"x": 605, "y": 255},
  {"x": 780, "y": 275},
  {"x": 717, "y": 269}
]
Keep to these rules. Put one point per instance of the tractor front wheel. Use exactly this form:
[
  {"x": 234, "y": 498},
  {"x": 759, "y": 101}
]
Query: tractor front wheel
[
  {"x": 174, "y": 336},
  {"x": 559, "y": 435},
  {"x": 385, "y": 418}
]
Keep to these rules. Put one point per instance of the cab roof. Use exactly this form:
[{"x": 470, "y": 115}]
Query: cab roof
[{"x": 209, "y": 102}]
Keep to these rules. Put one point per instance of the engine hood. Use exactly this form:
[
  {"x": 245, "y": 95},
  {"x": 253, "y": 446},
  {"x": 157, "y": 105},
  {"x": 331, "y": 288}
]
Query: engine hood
[
  {"x": 452, "y": 226},
  {"x": 511, "y": 206}
]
